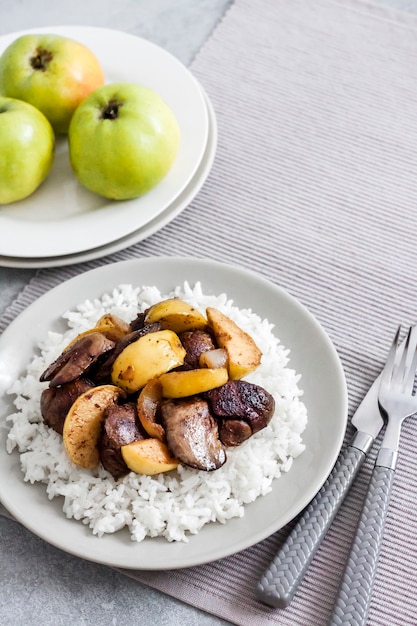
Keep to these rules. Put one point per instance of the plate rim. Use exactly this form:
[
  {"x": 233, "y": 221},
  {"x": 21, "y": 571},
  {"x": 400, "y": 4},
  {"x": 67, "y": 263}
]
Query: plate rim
[
  {"x": 181, "y": 558},
  {"x": 107, "y": 207}
]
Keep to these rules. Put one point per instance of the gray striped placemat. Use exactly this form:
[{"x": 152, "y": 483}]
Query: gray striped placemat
[{"x": 315, "y": 187}]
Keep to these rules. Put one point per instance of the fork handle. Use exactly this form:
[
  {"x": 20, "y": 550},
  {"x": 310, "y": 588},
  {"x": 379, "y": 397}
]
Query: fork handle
[
  {"x": 353, "y": 601},
  {"x": 280, "y": 581}
]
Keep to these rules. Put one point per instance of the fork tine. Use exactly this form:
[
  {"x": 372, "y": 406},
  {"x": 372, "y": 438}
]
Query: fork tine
[
  {"x": 402, "y": 367},
  {"x": 388, "y": 371},
  {"x": 410, "y": 373}
]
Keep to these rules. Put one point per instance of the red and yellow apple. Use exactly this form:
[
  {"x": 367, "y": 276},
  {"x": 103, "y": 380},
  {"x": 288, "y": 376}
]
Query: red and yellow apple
[
  {"x": 123, "y": 140},
  {"x": 51, "y": 72},
  {"x": 27, "y": 149}
]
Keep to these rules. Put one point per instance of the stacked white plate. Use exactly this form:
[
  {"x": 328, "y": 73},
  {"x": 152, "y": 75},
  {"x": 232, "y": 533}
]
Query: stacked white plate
[{"x": 62, "y": 222}]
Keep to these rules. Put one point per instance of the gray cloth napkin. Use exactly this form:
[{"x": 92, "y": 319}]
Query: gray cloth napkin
[{"x": 315, "y": 187}]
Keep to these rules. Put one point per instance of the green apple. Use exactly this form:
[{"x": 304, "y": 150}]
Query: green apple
[
  {"x": 27, "y": 149},
  {"x": 123, "y": 140},
  {"x": 52, "y": 72}
]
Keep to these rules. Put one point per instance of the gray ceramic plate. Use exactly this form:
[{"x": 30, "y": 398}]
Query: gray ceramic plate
[{"x": 312, "y": 355}]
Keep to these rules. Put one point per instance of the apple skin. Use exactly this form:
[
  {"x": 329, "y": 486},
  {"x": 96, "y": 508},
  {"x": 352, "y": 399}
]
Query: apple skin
[
  {"x": 52, "y": 72},
  {"x": 27, "y": 149},
  {"x": 123, "y": 140}
]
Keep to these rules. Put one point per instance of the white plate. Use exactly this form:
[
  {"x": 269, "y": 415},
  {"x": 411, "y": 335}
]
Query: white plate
[
  {"x": 151, "y": 227},
  {"x": 312, "y": 355},
  {"x": 62, "y": 217}
]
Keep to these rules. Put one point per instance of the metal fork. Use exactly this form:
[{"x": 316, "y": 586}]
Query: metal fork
[{"x": 397, "y": 401}]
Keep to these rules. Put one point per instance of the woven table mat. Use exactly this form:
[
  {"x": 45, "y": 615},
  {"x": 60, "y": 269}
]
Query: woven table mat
[{"x": 314, "y": 186}]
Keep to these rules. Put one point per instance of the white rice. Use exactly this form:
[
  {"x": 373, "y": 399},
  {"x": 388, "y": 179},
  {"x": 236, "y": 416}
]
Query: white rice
[{"x": 178, "y": 503}]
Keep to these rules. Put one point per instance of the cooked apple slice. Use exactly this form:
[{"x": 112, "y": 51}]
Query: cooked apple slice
[
  {"x": 82, "y": 424},
  {"x": 176, "y": 315},
  {"x": 148, "y": 456},
  {"x": 148, "y": 357},
  {"x": 113, "y": 326},
  {"x": 147, "y": 405},
  {"x": 244, "y": 356},
  {"x": 192, "y": 382},
  {"x": 109, "y": 325}
]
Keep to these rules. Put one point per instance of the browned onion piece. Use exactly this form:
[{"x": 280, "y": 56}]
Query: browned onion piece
[
  {"x": 214, "y": 358},
  {"x": 147, "y": 405}
]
